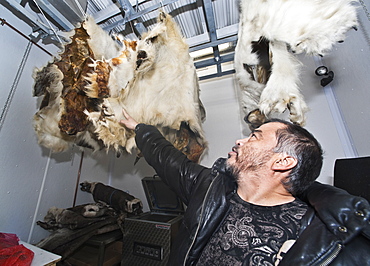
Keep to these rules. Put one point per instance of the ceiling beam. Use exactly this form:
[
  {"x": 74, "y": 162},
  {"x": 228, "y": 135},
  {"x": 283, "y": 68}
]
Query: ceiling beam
[
  {"x": 47, "y": 7},
  {"x": 214, "y": 42},
  {"x": 210, "y": 20},
  {"x": 217, "y": 75},
  {"x": 136, "y": 15},
  {"x": 126, "y": 10},
  {"x": 25, "y": 15},
  {"x": 211, "y": 62},
  {"x": 39, "y": 29},
  {"x": 232, "y": 38}
]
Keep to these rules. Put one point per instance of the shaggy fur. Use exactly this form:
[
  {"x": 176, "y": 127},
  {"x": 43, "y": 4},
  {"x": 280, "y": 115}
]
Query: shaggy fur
[
  {"x": 154, "y": 79},
  {"x": 102, "y": 45},
  {"x": 61, "y": 121},
  {"x": 289, "y": 26},
  {"x": 45, "y": 121},
  {"x": 165, "y": 82},
  {"x": 164, "y": 91}
]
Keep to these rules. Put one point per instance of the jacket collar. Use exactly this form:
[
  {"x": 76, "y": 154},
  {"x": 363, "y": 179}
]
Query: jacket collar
[{"x": 220, "y": 166}]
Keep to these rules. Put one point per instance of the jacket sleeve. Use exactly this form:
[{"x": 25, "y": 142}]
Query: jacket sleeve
[
  {"x": 174, "y": 168},
  {"x": 345, "y": 215}
]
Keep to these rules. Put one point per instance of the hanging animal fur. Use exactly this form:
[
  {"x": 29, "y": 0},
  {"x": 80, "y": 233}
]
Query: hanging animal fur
[
  {"x": 270, "y": 32},
  {"x": 86, "y": 87},
  {"x": 61, "y": 121}
]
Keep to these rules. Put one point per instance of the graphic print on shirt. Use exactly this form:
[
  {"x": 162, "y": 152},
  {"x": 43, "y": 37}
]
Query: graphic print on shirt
[{"x": 253, "y": 235}]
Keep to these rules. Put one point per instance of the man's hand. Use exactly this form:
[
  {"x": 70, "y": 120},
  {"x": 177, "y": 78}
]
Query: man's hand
[{"x": 129, "y": 122}]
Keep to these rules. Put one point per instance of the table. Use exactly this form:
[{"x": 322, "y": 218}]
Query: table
[{"x": 41, "y": 256}]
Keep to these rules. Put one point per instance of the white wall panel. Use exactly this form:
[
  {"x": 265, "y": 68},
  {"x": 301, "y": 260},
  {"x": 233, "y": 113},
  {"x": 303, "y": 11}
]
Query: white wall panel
[
  {"x": 350, "y": 63},
  {"x": 320, "y": 118},
  {"x": 21, "y": 164},
  {"x": 223, "y": 123},
  {"x": 127, "y": 176}
]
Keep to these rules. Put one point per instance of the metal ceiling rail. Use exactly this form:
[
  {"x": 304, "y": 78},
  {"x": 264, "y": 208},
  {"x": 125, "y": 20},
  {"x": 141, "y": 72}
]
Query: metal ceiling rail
[
  {"x": 210, "y": 20},
  {"x": 26, "y": 16},
  {"x": 44, "y": 32},
  {"x": 205, "y": 45},
  {"x": 210, "y": 62},
  {"x": 132, "y": 15},
  {"x": 126, "y": 9},
  {"x": 49, "y": 9},
  {"x": 217, "y": 75},
  {"x": 4, "y": 22}
]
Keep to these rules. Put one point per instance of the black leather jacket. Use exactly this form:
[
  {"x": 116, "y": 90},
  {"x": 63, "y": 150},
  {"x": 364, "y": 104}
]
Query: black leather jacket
[{"x": 336, "y": 230}]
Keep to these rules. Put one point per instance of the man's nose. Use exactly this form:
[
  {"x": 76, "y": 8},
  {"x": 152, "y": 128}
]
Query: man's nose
[{"x": 240, "y": 142}]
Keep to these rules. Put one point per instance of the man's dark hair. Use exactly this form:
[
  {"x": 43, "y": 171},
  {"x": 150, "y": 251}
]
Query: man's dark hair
[{"x": 297, "y": 142}]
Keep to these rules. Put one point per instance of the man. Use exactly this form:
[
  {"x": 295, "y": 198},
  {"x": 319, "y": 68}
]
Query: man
[{"x": 245, "y": 210}]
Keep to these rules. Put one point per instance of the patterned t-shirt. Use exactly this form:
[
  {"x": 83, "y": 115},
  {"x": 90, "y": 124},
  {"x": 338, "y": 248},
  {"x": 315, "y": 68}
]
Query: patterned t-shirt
[{"x": 253, "y": 235}]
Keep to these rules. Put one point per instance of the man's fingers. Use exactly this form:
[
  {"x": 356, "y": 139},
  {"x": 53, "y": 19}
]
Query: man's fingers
[{"x": 125, "y": 114}]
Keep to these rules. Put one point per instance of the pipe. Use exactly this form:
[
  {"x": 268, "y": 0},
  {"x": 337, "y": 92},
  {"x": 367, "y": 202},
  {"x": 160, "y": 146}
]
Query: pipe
[
  {"x": 3, "y": 22},
  {"x": 78, "y": 179}
]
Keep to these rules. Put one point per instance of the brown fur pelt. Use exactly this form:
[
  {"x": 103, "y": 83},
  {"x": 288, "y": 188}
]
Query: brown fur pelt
[
  {"x": 86, "y": 87},
  {"x": 72, "y": 227},
  {"x": 61, "y": 120}
]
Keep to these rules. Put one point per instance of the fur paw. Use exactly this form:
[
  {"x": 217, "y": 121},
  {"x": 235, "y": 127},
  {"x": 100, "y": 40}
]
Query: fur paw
[
  {"x": 255, "y": 119},
  {"x": 280, "y": 100},
  {"x": 161, "y": 16}
]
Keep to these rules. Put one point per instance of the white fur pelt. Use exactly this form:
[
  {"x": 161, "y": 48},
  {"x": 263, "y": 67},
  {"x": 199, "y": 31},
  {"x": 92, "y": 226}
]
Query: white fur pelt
[
  {"x": 290, "y": 26},
  {"x": 102, "y": 45},
  {"x": 154, "y": 79},
  {"x": 163, "y": 92},
  {"x": 46, "y": 120}
]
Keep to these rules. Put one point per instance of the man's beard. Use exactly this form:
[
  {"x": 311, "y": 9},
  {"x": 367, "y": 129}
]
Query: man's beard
[{"x": 251, "y": 160}]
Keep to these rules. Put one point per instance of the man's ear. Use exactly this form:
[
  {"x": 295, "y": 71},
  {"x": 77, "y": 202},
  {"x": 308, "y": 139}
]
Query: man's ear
[{"x": 284, "y": 163}]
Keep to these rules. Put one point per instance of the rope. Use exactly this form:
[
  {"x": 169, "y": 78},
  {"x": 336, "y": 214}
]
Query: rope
[
  {"x": 55, "y": 33},
  {"x": 15, "y": 83},
  {"x": 3, "y": 22},
  {"x": 78, "y": 179}
]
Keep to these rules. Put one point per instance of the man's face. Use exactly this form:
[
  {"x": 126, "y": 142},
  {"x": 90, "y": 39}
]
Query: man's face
[{"x": 254, "y": 152}]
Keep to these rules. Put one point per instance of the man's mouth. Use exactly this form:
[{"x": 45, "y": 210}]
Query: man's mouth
[{"x": 234, "y": 151}]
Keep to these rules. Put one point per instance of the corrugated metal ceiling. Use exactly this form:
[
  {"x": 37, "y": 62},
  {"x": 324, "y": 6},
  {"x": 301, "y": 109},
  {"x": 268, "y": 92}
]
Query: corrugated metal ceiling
[{"x": 204, "y": 23}]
